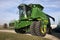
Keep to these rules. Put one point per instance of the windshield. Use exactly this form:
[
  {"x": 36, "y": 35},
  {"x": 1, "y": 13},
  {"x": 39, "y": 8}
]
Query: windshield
[
  {"x": 24, "y": 12},
  {"x": 21, "y": 13}
]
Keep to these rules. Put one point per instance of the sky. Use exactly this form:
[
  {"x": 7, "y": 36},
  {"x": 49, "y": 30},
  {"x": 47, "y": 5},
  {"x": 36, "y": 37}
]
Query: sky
[{"x": 9, "y": 10}]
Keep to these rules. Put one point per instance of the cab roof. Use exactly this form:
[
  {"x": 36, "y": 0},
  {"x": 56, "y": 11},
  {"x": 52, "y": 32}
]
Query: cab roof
[
  {"x": 38, "y": 5},
  {"x": 31, "y": 5}
]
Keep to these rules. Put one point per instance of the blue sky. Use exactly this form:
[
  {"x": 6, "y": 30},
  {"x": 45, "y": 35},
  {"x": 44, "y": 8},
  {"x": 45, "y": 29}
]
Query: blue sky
[{"x": 9, "y": 10}]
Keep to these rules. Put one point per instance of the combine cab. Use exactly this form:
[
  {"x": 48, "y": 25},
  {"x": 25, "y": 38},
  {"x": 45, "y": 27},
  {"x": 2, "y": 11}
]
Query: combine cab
[{"x": 32, "y": 19}]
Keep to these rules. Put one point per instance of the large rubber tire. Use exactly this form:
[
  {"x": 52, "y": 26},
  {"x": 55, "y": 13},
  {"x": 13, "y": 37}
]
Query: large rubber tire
[
  {"x": 38, "y": 28},
  {"x": 32, "y": 28},
  {"x": 49, "y": 30},
  {"x": 19, "y": 31}
]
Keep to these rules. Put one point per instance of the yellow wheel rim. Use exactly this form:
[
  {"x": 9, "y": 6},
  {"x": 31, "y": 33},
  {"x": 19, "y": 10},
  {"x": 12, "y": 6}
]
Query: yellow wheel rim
[{"x": 43, "y": 29}]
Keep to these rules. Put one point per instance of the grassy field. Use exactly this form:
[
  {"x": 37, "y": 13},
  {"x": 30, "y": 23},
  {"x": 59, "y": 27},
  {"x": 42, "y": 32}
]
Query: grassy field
[
  {"x": 12, "y": 36},
  {"x": 8, "y": 28},
  {"x": 1, "y": 28}
]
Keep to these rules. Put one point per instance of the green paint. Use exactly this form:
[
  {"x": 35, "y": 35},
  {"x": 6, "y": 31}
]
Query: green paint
[{"x": 35, "y": 11}]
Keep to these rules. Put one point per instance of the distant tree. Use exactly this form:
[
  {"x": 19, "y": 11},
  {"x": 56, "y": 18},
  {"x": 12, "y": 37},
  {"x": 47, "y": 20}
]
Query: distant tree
[
  {"x": 11, "y": 24},
  {"x": 5, "y": 25}
]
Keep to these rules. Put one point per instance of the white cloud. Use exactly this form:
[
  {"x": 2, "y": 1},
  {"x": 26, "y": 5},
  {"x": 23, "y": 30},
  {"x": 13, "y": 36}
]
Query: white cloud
[
  {"x": 7, "y": 4},
  {"x": 56, "y": 15},
  {"x": 31, "y": 1},
  {"x": 7, "y": 17},
  {"x": 5, "y": 14},
  {"x": 52, "y": 3},
  {"x": 53, "y": 6}
]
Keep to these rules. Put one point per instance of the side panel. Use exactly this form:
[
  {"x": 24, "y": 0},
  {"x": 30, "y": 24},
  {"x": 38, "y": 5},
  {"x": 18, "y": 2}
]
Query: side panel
[
  {"x": 22, "y": 24},
  {"x": 37, "y": 13}
]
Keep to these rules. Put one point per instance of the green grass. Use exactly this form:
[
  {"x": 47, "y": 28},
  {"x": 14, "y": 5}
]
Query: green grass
[{"x": 12, "y": 36}]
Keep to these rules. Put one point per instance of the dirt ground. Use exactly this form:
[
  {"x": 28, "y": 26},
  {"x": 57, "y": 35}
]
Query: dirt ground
[{"x": 52, "y": 37}]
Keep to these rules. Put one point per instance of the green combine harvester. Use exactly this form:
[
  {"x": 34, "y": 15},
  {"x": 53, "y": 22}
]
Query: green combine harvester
[{"x": 32, "y": 19}]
